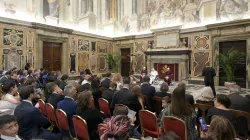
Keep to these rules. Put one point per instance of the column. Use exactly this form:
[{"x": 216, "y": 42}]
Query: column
[
  {"x": 113, "y": 9},
  {"x": 134, "y": 9},
  {"x": 119, "y": 10},
  {"x": 75, "y": 9},
  {"x": 90, "y": 6},
  {"x": 122, "y": 8}
]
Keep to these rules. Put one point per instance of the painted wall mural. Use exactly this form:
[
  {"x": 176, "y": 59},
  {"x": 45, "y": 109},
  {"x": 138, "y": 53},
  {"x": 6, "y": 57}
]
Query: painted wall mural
[{"x": 12, "y": 58}]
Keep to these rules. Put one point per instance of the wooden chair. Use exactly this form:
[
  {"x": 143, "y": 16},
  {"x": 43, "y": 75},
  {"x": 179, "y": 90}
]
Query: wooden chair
[
  {"x": 202, "y": 108},
  {"x": 42, "y": 107},
  {"x": 63, "y": 121},
  {"x": 149, "y": 124},
  {"x": 101, "y": 132},
  {"x": 81, "y": 128},
  {"x": 158, "y": 104},
  {"x": 51, "y": 115},
  {"x": 104, "y": 107},
  {"x": 239, "y": 113},
  {"x": 176, "y": 125}
]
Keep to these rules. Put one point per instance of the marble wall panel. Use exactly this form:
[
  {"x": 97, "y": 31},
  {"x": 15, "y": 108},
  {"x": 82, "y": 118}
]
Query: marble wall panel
[
  {"x": 12, "y": 37},
  {"x": 139, "y": 62},
  {"x": 83, "y": 61},
  {"x": 102, "y": 64},
  {"x": 202, "y": 42},
  {"x": 93, "y": 62},
  {"x": 73, "y": 44},
  {"x": 72, "y": 63},
  {"x": 12, "y": 58},
  {"x": 83, "y": 45},
  {"x": 30, "y": 57},
  {"x": 200, "y": 60},
  {"x": 30, "y": 39},
  {"x": 140, "y": 46}
]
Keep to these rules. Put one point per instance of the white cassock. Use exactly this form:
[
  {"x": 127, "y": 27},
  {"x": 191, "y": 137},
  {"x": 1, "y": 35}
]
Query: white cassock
[{"x": 153, "y": 75}]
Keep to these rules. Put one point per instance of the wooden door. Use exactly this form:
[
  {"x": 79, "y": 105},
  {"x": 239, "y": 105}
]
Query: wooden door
[
  {"x": 125, "y": 61},
  {"x": 51, "y": 56}
]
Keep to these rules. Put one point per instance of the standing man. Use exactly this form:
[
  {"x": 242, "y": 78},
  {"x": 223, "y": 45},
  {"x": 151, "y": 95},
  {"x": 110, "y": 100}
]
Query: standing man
[{"x": 209, "y": 73}]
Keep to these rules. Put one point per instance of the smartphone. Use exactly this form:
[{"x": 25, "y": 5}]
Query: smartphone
[{"x": 204, "y": 127}]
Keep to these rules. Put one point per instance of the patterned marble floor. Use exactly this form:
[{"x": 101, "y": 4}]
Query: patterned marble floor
[{"x": 196, "y": 89}]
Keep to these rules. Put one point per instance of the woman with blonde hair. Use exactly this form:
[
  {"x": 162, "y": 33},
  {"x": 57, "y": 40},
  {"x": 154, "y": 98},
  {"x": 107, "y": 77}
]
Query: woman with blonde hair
[
  {"x": 117, "y": 78},
  {"x": 137, "y": 91},
  {"x": 206, "y": 97},
  {"x": 220, "y": 129}
]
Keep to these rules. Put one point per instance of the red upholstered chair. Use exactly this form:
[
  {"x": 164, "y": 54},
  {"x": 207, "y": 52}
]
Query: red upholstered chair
[
  {"x": 42, "y": 107},
  {"x": 176, "y": 125},
  {"x": 63, "y": 121},
  {"x": 101, "y": 132},
  {"x": 81, "y": 128},
  {"x": 104, "y": 107},
  {"x": 51, "y": 114},
  {"x": 149, "y": 124}
]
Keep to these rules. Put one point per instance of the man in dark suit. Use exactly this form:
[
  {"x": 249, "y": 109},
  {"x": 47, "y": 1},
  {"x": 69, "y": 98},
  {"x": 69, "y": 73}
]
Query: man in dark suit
[
  {"x": 63, "y": 82},
  {"x": 106, "y": 81},
  {"x": 189, "y": 98},
  {"x": 56, "y": 95},
  {"x": 30, "y": 118},
  {"x": 126, "y": 97},
  {"x": 108, "y": 93},
  {"x": 68, "y": 105},
  {"x": 149, "y": 91},
  {"x": 38, "y": 82},
  {"x": 209, "y": 73},
  {"x": 238, "y": 102}
]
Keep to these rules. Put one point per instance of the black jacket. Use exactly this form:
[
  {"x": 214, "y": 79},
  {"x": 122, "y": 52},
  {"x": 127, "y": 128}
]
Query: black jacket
[
  {"x": 54, "y": 99},
  {"x": 149, "y": 91}
]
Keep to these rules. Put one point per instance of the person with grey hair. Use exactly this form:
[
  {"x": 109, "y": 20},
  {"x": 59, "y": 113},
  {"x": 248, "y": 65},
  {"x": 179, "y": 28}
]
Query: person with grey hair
[
  {"x": 163, "y": 90},
  {"x": 238, "y": 102},
  {"x": 68, "y": 105}
]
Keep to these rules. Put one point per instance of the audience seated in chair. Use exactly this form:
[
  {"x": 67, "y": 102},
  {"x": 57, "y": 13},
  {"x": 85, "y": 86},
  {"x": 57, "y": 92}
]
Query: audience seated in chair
[
  {"x": 122, "y": 110},
  {"x": 220, "y": 129},
  {"x": 96, "y": 92},
  {"x": 56, "y": 95},
  {"x": 63, "y": 82},
  {"x": 180, "y": 108},
  {"x": 206, "y": 97},
  {"x": 126, "y": 97},
  {"x": 117, "y": 78},
  {"x": 68, "y": 105},
  {"x": 91, "y": 115},
  {"x": 238, "y": 102},
  {"x": 106, "y": 81},
  {"x": 163, "y": 90},
  {"x": 109, "y": 93},
  {"x": 137, "y": 91},
  {"x": 30, "y": 119},
  {"x": 10, "y": 98},
  {"x": 165, "y": 103},
  {"x": 221, "y": 104},
  {"x": 149, "y": 91},
  {"x": 9, "y": 128},
  {"x": 169, "y": 136},
  {"x": 188, "y": 97}
]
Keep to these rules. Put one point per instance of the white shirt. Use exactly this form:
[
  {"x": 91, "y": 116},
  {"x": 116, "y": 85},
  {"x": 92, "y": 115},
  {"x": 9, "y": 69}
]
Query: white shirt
[
  {"x": 4, "y": 104},
  {"x": 10, "y": 137},
  {"x": 85, "y": 82}
]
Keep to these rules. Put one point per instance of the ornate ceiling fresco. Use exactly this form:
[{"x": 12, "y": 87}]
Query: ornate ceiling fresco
[{"x": 124, "y": 17}]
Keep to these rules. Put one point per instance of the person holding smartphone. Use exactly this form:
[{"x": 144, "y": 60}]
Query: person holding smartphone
[{"x": 220, "y": 129}]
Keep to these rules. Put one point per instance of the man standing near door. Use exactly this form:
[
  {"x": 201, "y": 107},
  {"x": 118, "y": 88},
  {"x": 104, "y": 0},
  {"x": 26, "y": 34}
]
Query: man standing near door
[{"x": 209, "y": 73}]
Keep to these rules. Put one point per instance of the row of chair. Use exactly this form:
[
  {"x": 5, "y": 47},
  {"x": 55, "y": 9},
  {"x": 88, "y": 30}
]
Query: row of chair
[{"x": 58, "y": 118}]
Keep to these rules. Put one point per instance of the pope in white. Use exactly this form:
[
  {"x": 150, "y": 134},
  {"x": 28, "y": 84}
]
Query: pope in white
[{"x": 153, "y": 75}]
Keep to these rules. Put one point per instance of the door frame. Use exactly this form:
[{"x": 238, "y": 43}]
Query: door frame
[
  {"x": 64, "y": 51},
  {"x": 126, "y": 46}
]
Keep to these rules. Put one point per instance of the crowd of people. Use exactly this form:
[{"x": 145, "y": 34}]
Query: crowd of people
[{"x": 21, "y": 118}]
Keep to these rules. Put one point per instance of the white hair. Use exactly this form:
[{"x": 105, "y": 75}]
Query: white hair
[{"x": 235, "y": 89}]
